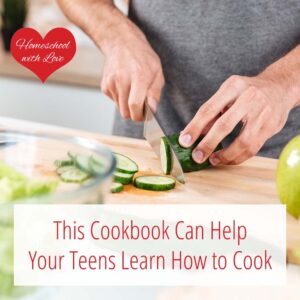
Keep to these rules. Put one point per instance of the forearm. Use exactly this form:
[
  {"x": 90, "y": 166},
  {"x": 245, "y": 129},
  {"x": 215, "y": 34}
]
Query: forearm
[
  {"x": 287, "y": 71},
  {"x": 100, "y": 19}
]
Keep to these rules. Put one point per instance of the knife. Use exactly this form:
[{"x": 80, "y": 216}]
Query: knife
[{"x": 152, "y": 133}]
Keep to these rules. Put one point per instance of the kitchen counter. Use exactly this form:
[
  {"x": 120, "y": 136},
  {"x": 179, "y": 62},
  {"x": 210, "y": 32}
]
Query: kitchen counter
[{"x": 252, "y": 182}]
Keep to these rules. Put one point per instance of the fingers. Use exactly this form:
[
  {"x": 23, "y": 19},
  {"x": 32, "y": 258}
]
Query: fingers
[
  {"x": 136, "y": 100},
  {"x": 220, "y": 129},
  {"x": 109, "y": 89},
  {"x": 123, "y": 94},
  {"x": 227, "y": 93},
  {"x": 154, "y": 92},
  {"x": 254, "y": 134},
  {"x": 142, "y": 89},
  {"x": 246, "y": 145}
]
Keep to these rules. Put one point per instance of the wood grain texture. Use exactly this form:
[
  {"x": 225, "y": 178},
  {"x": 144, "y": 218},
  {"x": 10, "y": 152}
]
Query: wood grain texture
[{"x": 253, "y": 182}]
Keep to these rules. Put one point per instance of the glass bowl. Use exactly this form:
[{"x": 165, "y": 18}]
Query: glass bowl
[{"x": 33, "y": 155}]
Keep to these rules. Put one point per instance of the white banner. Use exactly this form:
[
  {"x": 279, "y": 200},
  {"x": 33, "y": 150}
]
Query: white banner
[{"x": 85, "y": 245}]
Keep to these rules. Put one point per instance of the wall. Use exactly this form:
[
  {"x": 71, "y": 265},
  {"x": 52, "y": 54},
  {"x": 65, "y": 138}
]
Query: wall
[{"x": 68, "y": 106}]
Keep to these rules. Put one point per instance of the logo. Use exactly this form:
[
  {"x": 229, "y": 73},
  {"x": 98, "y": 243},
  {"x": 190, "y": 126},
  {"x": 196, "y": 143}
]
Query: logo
[{"x": 43, "y": 56}]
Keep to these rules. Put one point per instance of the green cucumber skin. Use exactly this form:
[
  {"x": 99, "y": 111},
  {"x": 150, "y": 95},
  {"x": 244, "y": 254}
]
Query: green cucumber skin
[
  {"x": 123, "y": 180},
  {"x": 62, "y": 170},
  {"x": 153, "y": 187},
  {"x": 116, "y": 187},
  {"x": 63, "y": 163},
  {"x": 184, "y": 155},
  {"x": 123, "y": 170},
  {"x": 82, "y": 162},
  {"x": 95, "y": 167},
  {"x": 169, "y": 158},
  {"x": 74, "y": 176}
]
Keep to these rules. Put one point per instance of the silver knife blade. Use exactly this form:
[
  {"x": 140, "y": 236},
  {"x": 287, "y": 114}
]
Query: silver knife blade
[{"x": 153, "y": 132}]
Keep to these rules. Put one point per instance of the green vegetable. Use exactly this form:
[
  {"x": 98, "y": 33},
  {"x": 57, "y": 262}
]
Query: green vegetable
[
  {"x": 7, "y": 249},
  {"x": 61, "y": 170},
  {"x": 184, "y": 155},
  {"x": 125, "y": 164},
  {"x": 14, "y": 185},
  {"x": 165, "y": 156},
  {"x": 63, "y": 163},
  {"x": 79, "y": 167},
  {"x": 74, "y": 175},
  {"x": 116, "y": 187},
  {"x": 82, "y": 162},
  {"x": 155, "y": 183},
  {"x": 123, "y": 177},
  {"x": 97, "y": 166}
]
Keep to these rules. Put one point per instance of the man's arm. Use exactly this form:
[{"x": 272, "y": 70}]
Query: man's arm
[
  {"x": 262, "y": 103},
  {"x": 132, "y": 70}
]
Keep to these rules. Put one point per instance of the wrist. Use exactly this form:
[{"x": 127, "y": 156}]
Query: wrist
[
  {"x": 116, "y": 30},
  {"x": 285, "y": 73},
  {"x": 285, "y": 82}
]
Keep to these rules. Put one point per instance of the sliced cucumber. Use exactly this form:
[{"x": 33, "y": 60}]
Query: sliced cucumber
[
  {"x": 166, "y": 158},
  {"x": 123, "y": 177},
  {"x": 74, "y": 175},
  {"x": 155, "y": 183},
  {"x": 125, "y": 164},
  {"x": 64, "y": 169},
  {"x": 184, "y": 155},
  {"x": 97, "y": 166},
  {"x": 63, "y": 163},
  {"x": 83, "y": 163},
  {"x": 116, "y": 187},
  {"x": 72, "y": 155}
]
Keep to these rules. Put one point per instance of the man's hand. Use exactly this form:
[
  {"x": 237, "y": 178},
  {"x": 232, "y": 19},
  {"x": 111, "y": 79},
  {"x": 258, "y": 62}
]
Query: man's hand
[
  {"x": 132, "y": 71},
  {"x": 262, "y": 103}
]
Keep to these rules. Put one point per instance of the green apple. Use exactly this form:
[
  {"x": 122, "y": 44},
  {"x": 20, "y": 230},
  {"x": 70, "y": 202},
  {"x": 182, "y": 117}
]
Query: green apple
[{"x": 288, "y": 177}]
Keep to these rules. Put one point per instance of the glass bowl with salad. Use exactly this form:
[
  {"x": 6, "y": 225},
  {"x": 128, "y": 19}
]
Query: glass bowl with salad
[{"x": 47, "y": 169}]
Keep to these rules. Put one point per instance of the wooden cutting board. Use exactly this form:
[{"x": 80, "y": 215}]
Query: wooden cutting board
[{"x": 253, "y": 182}]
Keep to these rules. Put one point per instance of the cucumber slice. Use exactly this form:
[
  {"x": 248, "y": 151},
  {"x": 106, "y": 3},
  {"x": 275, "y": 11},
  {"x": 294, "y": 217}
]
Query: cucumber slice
[
  {"x": 63, "y": 163},
  {"x": 83, "y": 163},
  {"x": 64, "y": 169},
  {"x": 166, "y": 158},
  {"x": 184, "y": 155},
  {"x": 125, "y": 164},
  {"x": 97, "y": 166},
  {"x": 116, "y": 187},
  {"x": 123, "y": 177},
  {"x": 155, "y": 183},
  {"x": 74, "y": 175},
  {"x": 72, "y": 155}
]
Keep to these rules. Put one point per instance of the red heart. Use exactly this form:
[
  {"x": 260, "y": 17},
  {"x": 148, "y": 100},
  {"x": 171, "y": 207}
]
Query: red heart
[{"x": 43, "y": 56}]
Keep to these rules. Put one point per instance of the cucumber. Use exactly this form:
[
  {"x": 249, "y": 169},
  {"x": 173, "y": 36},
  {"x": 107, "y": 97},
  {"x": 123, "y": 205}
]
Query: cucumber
[
  {"x": 72, "y": 155},
  {"x": 184, "y": 155},
  {"x": 125, "y": 164},
  {"x": 83, "y": 163},
  {"x": 166, "y": 159},
  {"x": 155, "y": 183},
  {"x": 63, "y": 163},
  {"x": 122, "y": 177},
  {"x": 97, "y": 166},
  {"x": 116, "y": 187},
  {"x": 74, "y": 175},
  {"x": 64, "y": 169}
]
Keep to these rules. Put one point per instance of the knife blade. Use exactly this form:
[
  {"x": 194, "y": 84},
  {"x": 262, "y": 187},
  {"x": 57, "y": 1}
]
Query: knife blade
[{"x": 152, "y": 133}]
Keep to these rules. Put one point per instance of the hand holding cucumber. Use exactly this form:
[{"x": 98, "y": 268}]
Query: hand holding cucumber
[{"x": 262, "y": 103}]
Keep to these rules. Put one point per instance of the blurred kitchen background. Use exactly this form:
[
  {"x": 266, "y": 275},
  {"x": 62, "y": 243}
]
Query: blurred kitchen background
[{"x": 71, "y": 97}]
